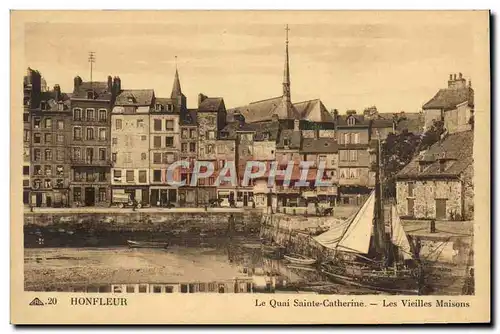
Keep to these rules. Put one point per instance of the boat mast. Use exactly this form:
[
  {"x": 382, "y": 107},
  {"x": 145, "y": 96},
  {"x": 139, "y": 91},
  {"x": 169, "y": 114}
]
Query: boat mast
[{"x": 379, "y": 231}]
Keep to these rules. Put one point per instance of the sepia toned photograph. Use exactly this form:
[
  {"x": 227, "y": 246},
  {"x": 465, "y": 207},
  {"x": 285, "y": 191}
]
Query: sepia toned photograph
[{"x": 308, "y": 160}]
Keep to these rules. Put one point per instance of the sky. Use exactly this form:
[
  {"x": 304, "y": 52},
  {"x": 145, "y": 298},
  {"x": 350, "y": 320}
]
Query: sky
[{"x": 395, "y": 61}]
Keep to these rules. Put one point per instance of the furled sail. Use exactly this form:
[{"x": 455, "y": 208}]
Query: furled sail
[
  {"x": 399, "y": 237},
  {"x": 354, "y": 235}
]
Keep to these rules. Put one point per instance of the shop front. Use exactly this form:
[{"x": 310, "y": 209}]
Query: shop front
[{"x": 163, "y": 196}]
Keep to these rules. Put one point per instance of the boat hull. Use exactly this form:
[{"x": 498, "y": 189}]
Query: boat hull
[
  {"x": 376, "y": 281},
  {"x": 300, "y": 261},
  {"x": 147, "y": 244}
]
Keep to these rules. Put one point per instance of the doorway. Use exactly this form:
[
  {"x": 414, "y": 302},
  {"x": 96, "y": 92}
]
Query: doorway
[
  {"x": 440, "y": 209},
  {"x": 245, "y": 199},
  {"x": 49, "y": 201},
  {"x": 89, "y": 196},
  {"x": 38, "y": 200}
]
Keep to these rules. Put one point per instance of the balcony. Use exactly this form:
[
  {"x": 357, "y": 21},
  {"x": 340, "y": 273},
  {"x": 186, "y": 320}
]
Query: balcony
[{"x": 91, "y": 162}]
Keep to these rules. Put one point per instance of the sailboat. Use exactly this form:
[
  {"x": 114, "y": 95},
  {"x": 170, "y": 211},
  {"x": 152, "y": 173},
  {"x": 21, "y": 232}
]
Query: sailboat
[{"x": 357, "y": 261}]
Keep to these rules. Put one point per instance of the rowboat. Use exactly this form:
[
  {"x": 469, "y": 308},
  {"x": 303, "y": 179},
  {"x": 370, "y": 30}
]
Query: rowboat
[
  {"x": 146, "y": 244},
  {"x": 299, "y": 259}
]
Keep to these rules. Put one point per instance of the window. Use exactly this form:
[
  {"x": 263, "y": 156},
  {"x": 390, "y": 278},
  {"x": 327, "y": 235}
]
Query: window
[
  {"x": 77, "y": 133},
  {"x": 60, "y": 106},
  {"x": 48, "y": 154},
  {"x": 355, "y": 138},
  {"x": 142, "y": 176},
  {"x": 89, "y": 154},
  {"x": 114, "y": 141},
  {"x": 192, "y": 133},
  {"x": 157, "y": 125},
  {"x": 26, "y": 135},
  {"x": 48, "y": 138},
  {"x": 170, "y": 107},
  {"x": 143, "y": 288},
  {"x": 128, "y": 157},
  {"x": 26, "y": 170},
  {"x": 90, "y": 133},
  {"x": 157, "y": 158},
  {"x": 353, "y": 155},
  {"x": 156, "y": 175},
  {"x": 118, "y": 124},
  {"x": 77, "y": 114},
  {"x": 184, "y": 133},
  {"x": 36, "y": 122},
  {"x": 286, "y": 142},
  {"x": 210, "y": 148},
  {"x": 117, "y": 175},
  {"x": 170, "y": 289},
  {"x": 77, "y": 194},
  {"x": 192, "y": 147},
  {"x": 167, "y": 158},
  {"x": 184, "y": 147},
  {"x": 102, "y": 194},
  {"x": 353, "y": 173},
  {"x": 90, "y": 95},
  {"x": 102, "y": 134},
  {"x": 60, "y": 125},
  {"x": 103, "y": 115},
  {"x": 169, "y": 125},
  {"x": 102, "y": 154},
  {"x": 37, "y": 170},
  {"x": 144, "y": 156},
  {"x": 140, "y": 123},
  {"x": 59, "y": 155},
  {"x": 411, "y": 207},
  {"x": 43, "y": 105},
  {"x": 156, "y": 141},
  {"x": 60, "y": 138},
  {"x": 411, "y": 188},
  {"x": 130, "y": 176},
  {"x": 26, "y": 153},
  {"x": 158, "y": 107},
  {"x": 48, "y": 170},
  {"x": 26, "y": 117},
  {"x": 102, "y": 176},
  {"x": 169, "y": 141},
  {"x": 59, "y": 170},
  {"x": 351, "y": 121},
  {"x": 48, "y": 123},
  {"x": 211, "y": 135},
  {"x": 90, "y": 115},
  {"x": 37, "y": 138},
  {"x": 77, "y": 154},
  {"x": 344, "y": 155},
  {"x": 347, "y": 138},
  {"x": 144, "y": 138},
  {"x": 344, "y": 173},
  {"x": 59, "y": 183},
  {"x": 156, "y": 289},
  {"x": 113, "y": 157}
]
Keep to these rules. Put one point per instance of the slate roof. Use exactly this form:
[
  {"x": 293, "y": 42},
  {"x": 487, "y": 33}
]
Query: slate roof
[
  {"x": 449, "y": 98},
  {"x": 361, "y": 121},
  {"x": 99, "y": 87},
  {"x": 413, "y": 122},
  {"x": 49, "y": 98},
  {"x": 211, "y": 104},
  {"x": 456, "y": 148},
  {"x": 140, "y": 97},
  {"x": 319, "y": 145},
  {"x": 314, "y": 111},
  {"x": 294, "y": 138},
  {"x": 271, "y": 129}
]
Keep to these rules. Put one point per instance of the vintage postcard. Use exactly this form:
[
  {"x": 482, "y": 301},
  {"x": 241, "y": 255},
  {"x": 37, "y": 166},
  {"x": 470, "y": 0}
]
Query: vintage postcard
[{"x": 244, "y": 167}]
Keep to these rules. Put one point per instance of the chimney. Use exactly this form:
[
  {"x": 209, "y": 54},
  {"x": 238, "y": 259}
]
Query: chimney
[
  {"x": 470, "y": 83},
  {"x": 110, "y": 84},
  {"x": 455, "y": 76},
  {"x": 275, "y": 118},
  {"x": 57, "y": 92},
  {"x": 351, "y": 112},
  {"x": 451, "y": 77},
  {"x": 118, "y": 84},
  {"x": 201, "y": 98},
  {"x": 296, "y": 125},
  {"x": 77, "y": 82},
  {"x": 460, "y": 75}
]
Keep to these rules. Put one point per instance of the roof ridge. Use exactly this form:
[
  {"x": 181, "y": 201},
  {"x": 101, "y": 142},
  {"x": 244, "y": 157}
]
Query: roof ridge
[{"x": 271, "y": 98}]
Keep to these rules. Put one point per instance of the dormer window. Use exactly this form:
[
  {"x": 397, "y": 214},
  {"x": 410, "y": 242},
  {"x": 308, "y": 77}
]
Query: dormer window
[
  {"x": 158, "y": 107},
  {"x": 351, "y": 121},
  {"x": 266, "y": 135},
  {"x": 60, "y": 106},
  {"x": 442, "y": 165},
  {"x": 286, "y": 142},
  {"x": 90, "y": 95},
  {"x": 224, "y": 134},
  {"x": 170, "y": 107},
  {"x": 130, "y": 99},
  {"x": 43, "y": 105}
]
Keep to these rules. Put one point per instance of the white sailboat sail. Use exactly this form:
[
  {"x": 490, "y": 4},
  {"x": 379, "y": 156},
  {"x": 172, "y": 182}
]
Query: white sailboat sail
[
  {"x": 399, "y": 237},
  {"x": 354, "y": 235}
]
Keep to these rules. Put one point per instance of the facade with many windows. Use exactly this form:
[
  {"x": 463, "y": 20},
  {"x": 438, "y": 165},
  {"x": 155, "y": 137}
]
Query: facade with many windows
[
  {"x": 130, "y": 146},
  {"x": 90, "y": 144}
]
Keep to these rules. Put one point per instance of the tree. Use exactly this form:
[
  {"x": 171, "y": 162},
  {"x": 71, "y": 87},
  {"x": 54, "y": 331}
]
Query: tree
[{"x": 399, "y": 149}]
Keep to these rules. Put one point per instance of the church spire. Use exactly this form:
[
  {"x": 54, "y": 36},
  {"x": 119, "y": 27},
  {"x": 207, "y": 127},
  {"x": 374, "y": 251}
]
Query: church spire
[
  {"x": 286, "y": 73},
  {"x": 176, "y": 89}
]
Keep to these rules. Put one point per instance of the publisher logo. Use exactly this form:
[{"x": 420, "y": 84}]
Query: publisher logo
[{"x": 36, "y": 302}]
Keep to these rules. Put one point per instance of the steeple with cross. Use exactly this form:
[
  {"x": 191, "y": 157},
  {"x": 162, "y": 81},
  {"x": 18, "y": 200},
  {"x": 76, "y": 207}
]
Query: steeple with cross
[{"x": 286, "y": 79}]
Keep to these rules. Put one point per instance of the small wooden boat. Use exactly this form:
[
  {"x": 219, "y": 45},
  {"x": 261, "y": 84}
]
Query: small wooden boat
[
  {"x": 299, "y": 259},
  {"x": 147, "y": 244}
]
